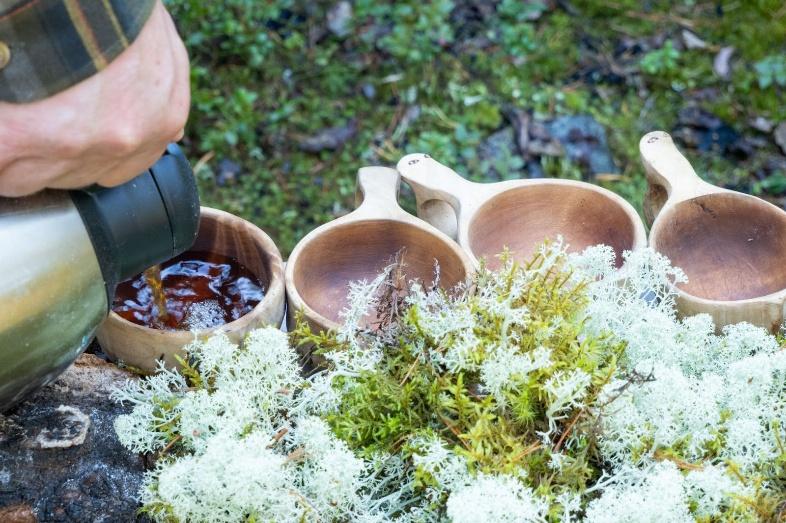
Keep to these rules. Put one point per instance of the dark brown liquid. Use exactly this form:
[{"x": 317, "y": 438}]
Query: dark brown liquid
[
  {"x": 152, "y": 277},
  {"x": 200, "y": 290}
]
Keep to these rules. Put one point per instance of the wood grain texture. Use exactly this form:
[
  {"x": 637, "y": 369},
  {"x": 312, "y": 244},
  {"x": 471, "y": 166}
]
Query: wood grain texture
[
  {"x": 220, "y": 233},
  {"x": 360, "y": 245},
  {"x": 731, "y": 245},
  {"x": 520, "y": 214}
]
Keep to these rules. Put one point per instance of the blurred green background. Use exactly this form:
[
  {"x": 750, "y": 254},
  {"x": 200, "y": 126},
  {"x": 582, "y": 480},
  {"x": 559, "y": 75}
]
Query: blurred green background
[{"x": 290, "y": 98}]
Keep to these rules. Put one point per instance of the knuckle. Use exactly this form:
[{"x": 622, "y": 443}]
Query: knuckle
[
  {"x": 176, "y": 119},
  {"x": 125, "y": 139}
]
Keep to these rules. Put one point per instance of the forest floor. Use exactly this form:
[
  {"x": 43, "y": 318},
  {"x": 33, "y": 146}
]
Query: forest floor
[{"x": 290, "y": 98}]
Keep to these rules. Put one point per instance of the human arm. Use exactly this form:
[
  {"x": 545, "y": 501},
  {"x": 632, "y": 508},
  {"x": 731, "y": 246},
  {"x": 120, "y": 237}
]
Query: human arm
[{"x": 106, "y": 128}]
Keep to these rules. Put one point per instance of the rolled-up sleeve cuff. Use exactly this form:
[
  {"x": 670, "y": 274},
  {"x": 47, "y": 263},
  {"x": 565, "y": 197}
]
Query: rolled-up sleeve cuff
[{"x": 47, "y": 46}]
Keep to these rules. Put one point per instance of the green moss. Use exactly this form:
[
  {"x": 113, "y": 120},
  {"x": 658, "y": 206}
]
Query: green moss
[{"x": 410, "y": 396}]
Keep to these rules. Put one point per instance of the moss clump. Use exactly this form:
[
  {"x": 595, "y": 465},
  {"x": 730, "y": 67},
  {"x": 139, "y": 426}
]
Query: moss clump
[{"x": 500, "y": 374}]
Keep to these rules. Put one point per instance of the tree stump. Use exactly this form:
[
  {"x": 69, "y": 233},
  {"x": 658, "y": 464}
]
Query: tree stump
[{"x": 60, "y": 459}]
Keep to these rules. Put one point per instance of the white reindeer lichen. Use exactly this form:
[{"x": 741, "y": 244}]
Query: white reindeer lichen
[
  {"x": 683, "y": 425},
  {"x": 240, "y": 454}
]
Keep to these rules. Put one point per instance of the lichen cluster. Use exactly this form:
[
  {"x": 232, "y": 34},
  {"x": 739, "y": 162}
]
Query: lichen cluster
[
  {"x": 563, "y": 389},
  {"x": 707, "y": 420},
  {"x": 499, "y": 374},
  {"x": 223, "y": 431}
]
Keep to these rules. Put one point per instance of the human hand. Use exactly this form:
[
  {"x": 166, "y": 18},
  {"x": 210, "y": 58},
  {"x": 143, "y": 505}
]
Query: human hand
[{"x": 105, "y": 129}]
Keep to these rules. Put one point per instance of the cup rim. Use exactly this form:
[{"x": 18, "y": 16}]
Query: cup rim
[
  {"x": 275, "y": 287},
  {"x": 295, "y": 301},
  {"x": 776, "y": 297},
  {"x": 496, "y": 189}
]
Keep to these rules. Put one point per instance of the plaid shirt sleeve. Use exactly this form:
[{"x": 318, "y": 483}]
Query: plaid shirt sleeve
[{"x": 47, "y": 46}]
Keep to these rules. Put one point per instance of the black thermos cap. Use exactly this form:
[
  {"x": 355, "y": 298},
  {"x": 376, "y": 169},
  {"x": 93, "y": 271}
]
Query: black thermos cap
[{"x": 145, "y": 221}]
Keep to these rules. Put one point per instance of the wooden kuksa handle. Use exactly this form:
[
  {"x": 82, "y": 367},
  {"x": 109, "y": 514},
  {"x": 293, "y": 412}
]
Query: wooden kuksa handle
[
  {"x": 444, "y": 197},
  {"x": 377, "y": 194},
  {"x": 668, "y": 170},
  {"x": 433, "y": 181}
]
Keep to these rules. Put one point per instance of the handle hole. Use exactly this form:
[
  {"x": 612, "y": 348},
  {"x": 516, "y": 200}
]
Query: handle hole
[
  {"x": 441, "y": 215},
  {"x": 654, "y": 201}
]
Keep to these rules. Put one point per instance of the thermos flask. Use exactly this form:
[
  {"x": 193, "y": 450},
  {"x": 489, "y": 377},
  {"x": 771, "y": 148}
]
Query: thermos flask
[{"x": 63, "y": 252}]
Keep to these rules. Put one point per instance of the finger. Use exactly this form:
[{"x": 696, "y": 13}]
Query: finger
[
  {"x": 8, "y": 157},
  {"x": 132, "y": 167},
  {"x": 127, "y": 166},
  {"x": 82, "y": 176},
  {"x": 29, "y": 175},
  {"x": 12, "y": 185}
]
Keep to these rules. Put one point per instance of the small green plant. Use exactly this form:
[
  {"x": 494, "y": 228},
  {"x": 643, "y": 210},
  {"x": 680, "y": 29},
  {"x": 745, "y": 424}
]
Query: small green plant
[
  {"x": 420, "y": 30},
  {"x": 560, "y": 167},
  {"x": 661, "y": 61},
  {"x": 771, "y": 70},
  {"x": 773, "y": 184},
  {"x": 514, "y": 30}
]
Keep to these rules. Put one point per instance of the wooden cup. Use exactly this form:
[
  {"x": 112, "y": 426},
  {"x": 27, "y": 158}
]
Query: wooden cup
[
  {"x": 732, "y": 246},
  {"x": 221, "y": 233},
  {"x": 520, "y": 214},
  {"x": 359, "y": 246}
]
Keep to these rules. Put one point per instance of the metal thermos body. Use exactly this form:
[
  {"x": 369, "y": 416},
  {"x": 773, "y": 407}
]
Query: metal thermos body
[
  {"x": 52, "y": 293},
  {"x": 62, "y": 254}
]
